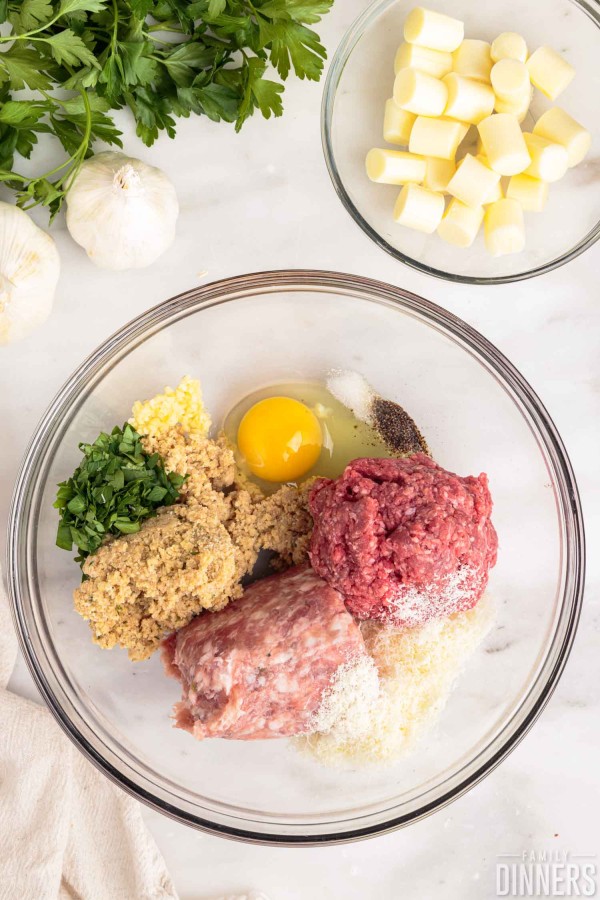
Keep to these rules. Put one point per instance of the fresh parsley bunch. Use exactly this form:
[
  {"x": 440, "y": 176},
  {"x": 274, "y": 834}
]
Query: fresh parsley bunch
[
  {"x": 114, "y": 489},
  {"x": 160, "y": 58}
]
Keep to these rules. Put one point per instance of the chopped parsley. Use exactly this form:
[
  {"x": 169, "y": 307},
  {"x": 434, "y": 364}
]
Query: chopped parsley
[{"x": 114, "y": 489}]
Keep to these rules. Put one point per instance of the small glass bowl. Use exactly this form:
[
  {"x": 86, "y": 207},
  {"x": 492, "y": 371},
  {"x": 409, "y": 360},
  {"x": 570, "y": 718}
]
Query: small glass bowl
[
  {"x": 359, "y": 82},
  {"x": 476, "y": 412}
]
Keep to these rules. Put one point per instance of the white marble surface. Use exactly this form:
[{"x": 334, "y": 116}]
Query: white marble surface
[{"x": 263, "y": 200}]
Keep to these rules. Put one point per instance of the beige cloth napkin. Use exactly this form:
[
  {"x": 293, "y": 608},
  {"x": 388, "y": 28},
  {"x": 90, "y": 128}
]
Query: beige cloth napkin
[{"x": 65, "y": 830}]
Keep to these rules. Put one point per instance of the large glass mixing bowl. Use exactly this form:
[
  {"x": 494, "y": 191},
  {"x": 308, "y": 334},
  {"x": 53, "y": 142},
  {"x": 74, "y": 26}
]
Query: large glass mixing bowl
[{"x": 477, "y": 413}]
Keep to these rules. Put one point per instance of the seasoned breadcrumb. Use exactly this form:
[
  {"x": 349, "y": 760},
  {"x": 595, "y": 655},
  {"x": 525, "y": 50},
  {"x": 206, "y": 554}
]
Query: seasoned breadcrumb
[
  {"x": 209, "y": 465},
  {"x": 284, "y": 523},
  {"x": 143, "y": 585},
  {"x": 242, "y": 527}
]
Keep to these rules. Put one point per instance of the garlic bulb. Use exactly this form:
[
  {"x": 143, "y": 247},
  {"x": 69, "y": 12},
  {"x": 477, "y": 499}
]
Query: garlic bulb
[
  {"x": 29, "y": 270},
  {"x": 121, "y": 211}
]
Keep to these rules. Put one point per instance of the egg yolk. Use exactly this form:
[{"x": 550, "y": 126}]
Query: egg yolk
[{"x": 280, "y": 439}]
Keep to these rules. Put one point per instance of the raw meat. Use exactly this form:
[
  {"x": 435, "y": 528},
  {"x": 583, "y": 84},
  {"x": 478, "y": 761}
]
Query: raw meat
[
  {"x": 261, "y": 667},
  {"x": 403, "y": 540}
]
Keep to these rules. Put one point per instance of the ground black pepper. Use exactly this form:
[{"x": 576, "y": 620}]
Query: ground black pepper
[{"x": 396, "y": 428}]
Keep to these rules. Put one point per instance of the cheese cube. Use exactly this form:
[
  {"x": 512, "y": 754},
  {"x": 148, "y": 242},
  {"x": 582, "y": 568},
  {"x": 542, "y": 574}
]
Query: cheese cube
[
  {"x": 419, "y": 93},
  {"x": 496, "y": 192},
  {"x": 418, "y": 208},
  {"x": 509, "y": 45},
  {"x": 468, "y": 100},
  {"x": 397, "y": 124},
  {"x": 530, "y": 192},
  {"x": 504, "y": 227},
  {"x": 473, "y": 182},
  {"x": 433, "y": 62},
  {"x": 464, "y": 128},
  {"x": 460, "y": 224},
  {"x": 518, "y": 107},
  {"x": 504, "y": 144},
  {"x": 394, "y": 166},
  {"x": 549, "y": 72},
  {"x": 436, "y": 137},
  {"x": 438, "y": 173},
  {"x": 432, "y": 29},
  {"x": 558, "y": 126},
  {"x": 473, "y": 59},
  {"x": 510, "y": 80},
  {"x": 549, "y": 161}
]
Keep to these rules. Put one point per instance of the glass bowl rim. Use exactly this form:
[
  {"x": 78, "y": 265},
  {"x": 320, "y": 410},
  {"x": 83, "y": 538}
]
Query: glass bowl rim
[
  {"x": 334, "y": 74},
  {"x": 270, "y": 282}
]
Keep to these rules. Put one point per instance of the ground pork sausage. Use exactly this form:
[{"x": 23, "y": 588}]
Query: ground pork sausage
[{"x": 261, "y": 667}]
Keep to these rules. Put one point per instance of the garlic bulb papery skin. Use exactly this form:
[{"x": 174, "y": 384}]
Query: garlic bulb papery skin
[
  {"x": 29, "y": 270},
  {"x": 122, "y": 211}
]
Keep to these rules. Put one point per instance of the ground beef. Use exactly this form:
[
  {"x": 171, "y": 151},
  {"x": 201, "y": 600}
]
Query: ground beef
[
  {"x": 262, "y": 667},
  {"x": 403, "y": 540}
]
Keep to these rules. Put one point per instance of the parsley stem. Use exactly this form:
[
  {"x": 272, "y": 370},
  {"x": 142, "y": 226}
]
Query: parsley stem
[
  {"x": 56, "y": 169},
  {"x": 5, "y": 175},
  {"x": 115, "y": 28},
  {"x": 253, "y": 8},
  {"x": 165, "y": 26},
  {"x": 81, "y": 153},
  {"x": 27, "y": 35}
]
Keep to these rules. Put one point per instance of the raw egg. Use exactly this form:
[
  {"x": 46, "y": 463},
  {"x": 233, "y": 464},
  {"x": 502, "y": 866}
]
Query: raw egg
[
  {"x": 279, "y": 439},
  {"x": 339, "y": 439}
]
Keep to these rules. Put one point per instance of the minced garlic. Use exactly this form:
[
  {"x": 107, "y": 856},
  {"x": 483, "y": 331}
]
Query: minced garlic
[{"x": 182, "y": 406}]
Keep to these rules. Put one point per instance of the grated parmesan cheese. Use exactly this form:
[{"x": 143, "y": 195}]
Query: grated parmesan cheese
[
  {"x": 182, "y": 406},
  {"x": 413, "y": 606},
  {"x": 417, "y": 669},
  {"x": 347, "y": 703}
]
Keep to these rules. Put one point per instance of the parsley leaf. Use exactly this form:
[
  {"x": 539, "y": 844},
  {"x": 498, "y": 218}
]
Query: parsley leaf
[
  {"x": 308, "y": 13},
  {"x": 113, "y": 490},
  {"x": 259, "y": 92},
  {"x": 68, "y": 49},
  {"x": 151, "y": 112},
  {"x": 20, "y": 67},
  {"x": 267, "y": 95},
  {"x": 141, "y": 8},
  {"x": 31, "y": 14},
  {"x": 67, "y": 7},
  {"x": 21, "y": 113},
  {"x": 186, "y": 61},
  {"x": 20, "y": 123},
  {"x": 294, "y": 45},
  {"x": 215, "y": 8}
]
